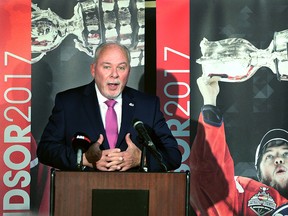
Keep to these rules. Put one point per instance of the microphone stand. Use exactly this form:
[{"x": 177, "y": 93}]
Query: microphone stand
[
  {"x": 79, "y": 159},
  {"x": 80, "y": 166},
  {"x": 158, "y": 157},
  {"x": 151, "y": 147},
  {"x": 142, "y": 167}
]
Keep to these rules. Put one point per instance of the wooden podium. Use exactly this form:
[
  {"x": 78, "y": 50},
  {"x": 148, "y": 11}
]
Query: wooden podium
[{"x": 72, "y": 193}]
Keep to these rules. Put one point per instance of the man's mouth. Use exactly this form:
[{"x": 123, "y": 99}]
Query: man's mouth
[
  {"x": 280, "y": 170},
  {"x": 113, "y": 84}
]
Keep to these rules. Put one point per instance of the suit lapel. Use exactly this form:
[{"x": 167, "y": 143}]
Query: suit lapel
[
  {"x": 128, "y": 109},
  {"x": 91, "y": 105}
]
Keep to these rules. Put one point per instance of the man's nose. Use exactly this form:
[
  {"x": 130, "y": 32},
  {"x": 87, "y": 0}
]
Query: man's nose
[
  {"x": 278, "y": 160},
  {"x": 114, "y": 72}
]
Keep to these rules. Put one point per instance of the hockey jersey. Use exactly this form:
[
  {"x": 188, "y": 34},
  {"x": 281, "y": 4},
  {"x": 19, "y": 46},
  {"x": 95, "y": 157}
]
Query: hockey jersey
[{"x": 214, "y": 190}]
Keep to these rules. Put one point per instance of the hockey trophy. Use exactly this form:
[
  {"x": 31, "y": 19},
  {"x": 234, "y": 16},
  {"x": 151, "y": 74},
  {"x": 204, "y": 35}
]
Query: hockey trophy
[
  {"x": 237, "y": 60},
  {"x": 93, "y": 22}
]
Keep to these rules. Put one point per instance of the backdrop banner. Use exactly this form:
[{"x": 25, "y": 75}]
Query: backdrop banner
[
  {"x": 173, "y": 73},
  {"x": 241, "y": 41},
  {"x": 15, "y": 118},
  {"x": 245, "y": 43},
  {"x": 47, "y": 47}
]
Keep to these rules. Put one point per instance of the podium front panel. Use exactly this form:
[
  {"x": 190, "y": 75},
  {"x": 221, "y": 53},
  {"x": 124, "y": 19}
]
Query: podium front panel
[
  {"x": 72, "y": 192},
  {"x": 129, "y": 202}
]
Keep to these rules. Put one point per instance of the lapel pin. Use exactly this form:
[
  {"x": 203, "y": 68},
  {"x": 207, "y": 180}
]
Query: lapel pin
[{"x": 131, "y": 104}]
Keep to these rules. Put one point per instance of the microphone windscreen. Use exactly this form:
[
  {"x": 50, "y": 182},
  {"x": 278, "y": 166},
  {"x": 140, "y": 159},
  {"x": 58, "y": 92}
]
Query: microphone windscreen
[{"x": 81, "y": 141}]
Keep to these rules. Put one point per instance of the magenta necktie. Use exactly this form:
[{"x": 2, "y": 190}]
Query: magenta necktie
[{"x": 111, "y": 123}]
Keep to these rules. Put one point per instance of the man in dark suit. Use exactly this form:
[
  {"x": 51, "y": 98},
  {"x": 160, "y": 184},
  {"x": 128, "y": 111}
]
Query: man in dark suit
[{"x": 83, "y": 109}]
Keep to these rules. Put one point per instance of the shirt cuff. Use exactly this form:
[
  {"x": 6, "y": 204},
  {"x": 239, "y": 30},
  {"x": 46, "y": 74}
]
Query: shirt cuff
[{"x": 212, "y": 115}]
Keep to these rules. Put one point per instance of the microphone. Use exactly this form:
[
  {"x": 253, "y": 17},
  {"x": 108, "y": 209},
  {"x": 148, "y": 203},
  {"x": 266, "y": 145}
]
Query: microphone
[
  {"x": 81, "y": 143},
  {"x": 140, "y": 128}
]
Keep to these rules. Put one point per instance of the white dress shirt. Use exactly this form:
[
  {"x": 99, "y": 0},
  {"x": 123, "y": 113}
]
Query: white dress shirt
[{"x": 104, "y": 107}]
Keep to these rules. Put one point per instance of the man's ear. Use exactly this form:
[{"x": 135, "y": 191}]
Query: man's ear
[{"x": 92, "y": 69}]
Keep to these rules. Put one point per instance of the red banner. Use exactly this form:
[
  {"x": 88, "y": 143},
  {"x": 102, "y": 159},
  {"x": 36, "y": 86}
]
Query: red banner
[
  {"x": 15, "y": 79},
  {"x": 173, "y": 74}
]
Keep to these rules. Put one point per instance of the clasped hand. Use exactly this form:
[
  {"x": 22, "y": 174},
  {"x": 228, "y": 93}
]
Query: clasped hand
[{"x": 115, "y": 159}]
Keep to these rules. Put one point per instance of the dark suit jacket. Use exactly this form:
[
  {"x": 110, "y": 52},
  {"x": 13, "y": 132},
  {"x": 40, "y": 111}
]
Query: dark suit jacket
[{"x": 77, "y": 110}]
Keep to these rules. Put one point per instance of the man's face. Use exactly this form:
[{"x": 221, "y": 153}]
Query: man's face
[
  {"x": 274, "y": 167},
  {"x": 111, "y": 71}
]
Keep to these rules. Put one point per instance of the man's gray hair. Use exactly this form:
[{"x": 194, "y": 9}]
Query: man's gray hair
[{"x": 106, "y": 44}]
